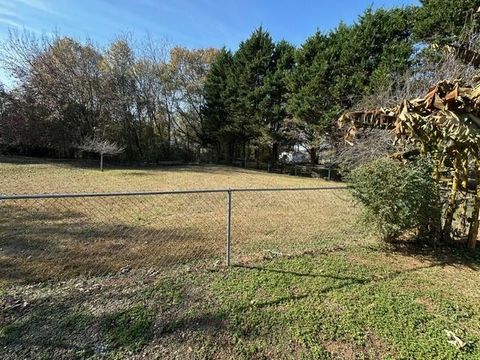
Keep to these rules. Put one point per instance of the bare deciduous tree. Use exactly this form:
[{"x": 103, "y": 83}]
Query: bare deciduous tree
[{"x": 102, "y": 147}]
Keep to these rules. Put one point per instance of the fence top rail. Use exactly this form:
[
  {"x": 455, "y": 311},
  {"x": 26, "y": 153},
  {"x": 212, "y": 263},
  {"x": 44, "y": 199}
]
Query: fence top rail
[{"x": 165, "y": 192}]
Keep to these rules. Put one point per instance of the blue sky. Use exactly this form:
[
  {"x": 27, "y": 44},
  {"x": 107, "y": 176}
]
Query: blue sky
[{"x": 192, "y": 23}]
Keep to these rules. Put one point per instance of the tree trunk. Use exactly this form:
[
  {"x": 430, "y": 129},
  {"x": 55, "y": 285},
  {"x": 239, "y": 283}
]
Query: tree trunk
[
  {"x": 245, "y": 154},
  {"x": 274, "y": 153},
  {"x": 101, "y": 161},
  {"x": 230, "y": 152},
  {"x": 464, "y": 189},
  {"x": 437, "y": 169},
  {"x": 451, "y": 206},
  {"x": 473, "y": 231},
  {"x": 313, "y": 156}
]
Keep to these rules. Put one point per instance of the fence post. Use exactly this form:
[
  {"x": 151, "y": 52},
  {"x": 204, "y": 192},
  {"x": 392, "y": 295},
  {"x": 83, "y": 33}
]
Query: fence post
[{"x": 229, "y": 227}]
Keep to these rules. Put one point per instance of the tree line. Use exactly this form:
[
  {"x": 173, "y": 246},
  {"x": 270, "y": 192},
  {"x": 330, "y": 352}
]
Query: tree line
[
  {"x": 147, "y": 97},
  {"x": 162, "y": 102}
]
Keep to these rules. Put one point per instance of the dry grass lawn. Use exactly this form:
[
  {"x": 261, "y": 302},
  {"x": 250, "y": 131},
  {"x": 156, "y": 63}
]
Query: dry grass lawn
[
  {"x": 67, "y": 237},
  {"x": 30, "y": 176}
]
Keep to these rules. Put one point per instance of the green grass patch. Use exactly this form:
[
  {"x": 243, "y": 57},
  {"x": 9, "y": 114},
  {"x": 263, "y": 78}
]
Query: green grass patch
[
  {"x": 351, "y": 303},
  {"x": 130, "y": 329},
  {"x": 332, "y": 304}
]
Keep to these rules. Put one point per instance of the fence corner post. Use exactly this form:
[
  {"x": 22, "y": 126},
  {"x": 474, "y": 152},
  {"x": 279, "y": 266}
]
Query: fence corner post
[{"x": 229, "y": 228}]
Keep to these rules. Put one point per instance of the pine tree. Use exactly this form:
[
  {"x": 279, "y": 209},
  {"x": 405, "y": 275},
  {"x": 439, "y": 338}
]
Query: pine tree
[
  {"x": 252, "y": 65},
  {"x": 275, "y": 104},
  {"x": 309, "y": 87},
  {"x": 216, "y": 113}
]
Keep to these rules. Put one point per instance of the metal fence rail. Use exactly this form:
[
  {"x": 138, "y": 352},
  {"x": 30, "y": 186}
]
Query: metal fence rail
[
  {"x": 171, "y": 192},
  {"x": 44, "y": 236}
]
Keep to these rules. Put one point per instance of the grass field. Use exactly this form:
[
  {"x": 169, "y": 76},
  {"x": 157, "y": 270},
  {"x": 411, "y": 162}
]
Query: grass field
[
  {"x": 306, "y": 283},
  {"x": 65, "y": 237},
  {"x": 30, "y": 176}
]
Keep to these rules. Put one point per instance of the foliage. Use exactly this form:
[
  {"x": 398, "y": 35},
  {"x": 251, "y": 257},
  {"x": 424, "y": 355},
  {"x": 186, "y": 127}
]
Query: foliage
[
  {"x": 164, "y": 101},
  {"x": 246, "y": 96},
  {"x": 398, "y": 198},
  {"x": 444, "y": 125},
  {"x": 370, "y": 145},
  {"x": 149, "y": 99},
  {"x": 442, "y": 21},
  {"x": 334, "y": 71}
]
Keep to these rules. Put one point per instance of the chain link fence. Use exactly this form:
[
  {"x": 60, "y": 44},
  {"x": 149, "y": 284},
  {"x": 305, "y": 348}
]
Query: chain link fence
[{"x": 67, "y": 235}]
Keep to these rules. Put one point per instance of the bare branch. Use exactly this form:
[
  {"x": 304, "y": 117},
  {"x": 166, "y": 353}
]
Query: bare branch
[{"x": 101, "y": 146}]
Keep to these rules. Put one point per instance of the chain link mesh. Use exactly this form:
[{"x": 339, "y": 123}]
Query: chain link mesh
[
  {"x": 287, "y": 223},
  {"x": 64, "y": 237}
]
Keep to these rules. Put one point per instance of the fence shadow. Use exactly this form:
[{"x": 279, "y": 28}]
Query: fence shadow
[
  {"x": 350, "y": 280},
  {"x": 38, "y": 245}
]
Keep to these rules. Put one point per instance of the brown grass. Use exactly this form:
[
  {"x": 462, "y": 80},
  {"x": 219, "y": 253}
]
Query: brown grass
[
  {"x": 29, "y": 175},
  {"x": 61, "y": 238}
]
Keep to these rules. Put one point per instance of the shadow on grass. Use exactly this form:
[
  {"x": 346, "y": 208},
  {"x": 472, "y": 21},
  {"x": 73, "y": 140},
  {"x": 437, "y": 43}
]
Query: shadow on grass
[
  {"x": 346, "y": 280},
  {"x": 218, "y": 320},
  {"x": 59, "y": 243},
  {"x": 207, "y": 321},
  {"x": 452, "y": 255},
  {"x": 64, "y": 163},
  {"x": 63, "y": 327},
  {"x": 300, "y": 274}
]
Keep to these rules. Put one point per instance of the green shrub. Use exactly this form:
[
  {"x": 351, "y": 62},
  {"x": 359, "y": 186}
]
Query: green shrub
[{"x": 399, "y": 199}]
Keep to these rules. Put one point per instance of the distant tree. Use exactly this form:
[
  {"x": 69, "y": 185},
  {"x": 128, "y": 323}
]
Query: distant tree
[
  {"x": 252, "y": 65},
  {"x": 190, "y": 69},
  {"x": 246, "y": 95},
  {"x": 120, "y": 88},
  {"x": 3, "y": 101},
  {"x": 309, "y": 85},
  {"x": 216, "y": 113},
  {"x": 61, "y": 78},
  {"x": 334, "y": 71},
  {"x": 101, "y": 147},
  {"x": 275, "y": 104}
]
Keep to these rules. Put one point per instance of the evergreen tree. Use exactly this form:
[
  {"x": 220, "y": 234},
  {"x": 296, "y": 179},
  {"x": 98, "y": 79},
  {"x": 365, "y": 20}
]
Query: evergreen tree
[
  {"x": 252, "y": 65},
  {"x": 309, "y": 87},
  {"x": 368, "y": 54},
  {"x": 443, "y": 21},
  {"x": 275, "y": 104},
  {"x": 216, "y": 113},
  {"x": 334, "y": 71}
]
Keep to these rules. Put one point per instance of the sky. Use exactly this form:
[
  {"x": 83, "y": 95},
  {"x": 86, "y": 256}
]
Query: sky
[{"x": 191, "y": 23}]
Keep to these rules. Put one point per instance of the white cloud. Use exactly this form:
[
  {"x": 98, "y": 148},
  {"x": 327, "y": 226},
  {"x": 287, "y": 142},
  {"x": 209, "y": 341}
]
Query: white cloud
[
  {"x": 8, "y": 12},
  {"x": 10, "y": 22},
  {"x": 37, "y": 4},
  {"x": 40, "y": 5}
]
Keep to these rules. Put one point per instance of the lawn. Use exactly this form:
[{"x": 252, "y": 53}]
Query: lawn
[
  {"x": 144, "y": 277},
  {"x": 349, "y": 303},
  {"x": 19, "y": 175},
  {"x": 61, "y": 238}
]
